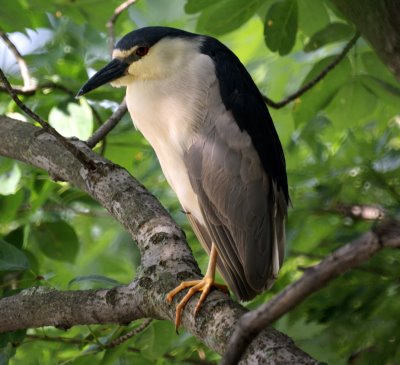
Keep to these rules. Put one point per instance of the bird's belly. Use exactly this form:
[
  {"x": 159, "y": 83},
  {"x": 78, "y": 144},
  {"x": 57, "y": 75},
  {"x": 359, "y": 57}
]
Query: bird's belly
[
  {"x": 174, "y": 171},
  {"x": 162, "y": 123}
]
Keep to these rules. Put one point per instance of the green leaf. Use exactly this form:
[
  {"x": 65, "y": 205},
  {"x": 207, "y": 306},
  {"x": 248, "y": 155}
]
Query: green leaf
[
  {"x": 9, "y": 180},
  {"x": 56, "y": 240},
  {"x": 195, "y": 6},
  {"x": 352, "y": 103},
  {"x": 9, "y": 206},
  {"x": 280, "y": 26},
  {"x": 318, "y": 97},
  {"x": 376, "y": 68},
  {"x": 333, "y": 32},
  {"x": 104, "y": 280},
  {"x": 6, "y": 165},
  {"x": 156, "y": 340},
  {"x": 9, "y": 21},
  {"x": 75, "y": 121},
  {"x": 315, "y": 10},
  {"x": 16, "y": 237},
  {"x": 386, "y": 92},
  {"x": 11, "y": 258},
  {"x": 9, "y": 344},
  {"x": 226, "y": 15}
]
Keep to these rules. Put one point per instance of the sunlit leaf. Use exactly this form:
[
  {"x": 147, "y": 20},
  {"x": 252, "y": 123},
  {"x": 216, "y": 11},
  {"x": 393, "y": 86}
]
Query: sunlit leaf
[
  {"x": 9, "y": 180},
  {"x": 98, "y": 279},
  {"x": 75, "y": 120}
]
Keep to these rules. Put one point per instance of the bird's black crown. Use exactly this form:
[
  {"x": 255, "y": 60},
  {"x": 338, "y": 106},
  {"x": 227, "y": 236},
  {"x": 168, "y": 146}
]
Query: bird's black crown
[{"x": 148, "y": 36}]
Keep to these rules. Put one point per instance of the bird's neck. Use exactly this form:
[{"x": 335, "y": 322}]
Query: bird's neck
[{"x": 172, "y": 109}]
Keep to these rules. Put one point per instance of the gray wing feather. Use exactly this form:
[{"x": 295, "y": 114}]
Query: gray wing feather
[{"x": 243, "y": 213}]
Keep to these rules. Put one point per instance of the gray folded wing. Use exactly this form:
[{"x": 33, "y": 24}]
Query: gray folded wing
[{"x": 243, "y": 211}]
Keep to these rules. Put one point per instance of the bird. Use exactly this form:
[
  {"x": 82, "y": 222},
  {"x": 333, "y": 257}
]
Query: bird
[{"x": 200, "y": 110}]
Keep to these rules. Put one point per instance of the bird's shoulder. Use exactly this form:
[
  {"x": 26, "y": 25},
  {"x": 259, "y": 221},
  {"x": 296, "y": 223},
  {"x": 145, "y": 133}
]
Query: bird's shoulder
[{"x": 242, "y": 98}]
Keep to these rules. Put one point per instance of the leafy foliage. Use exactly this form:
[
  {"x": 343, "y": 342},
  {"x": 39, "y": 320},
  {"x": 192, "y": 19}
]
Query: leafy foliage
[{"x": 341, "y": 140}]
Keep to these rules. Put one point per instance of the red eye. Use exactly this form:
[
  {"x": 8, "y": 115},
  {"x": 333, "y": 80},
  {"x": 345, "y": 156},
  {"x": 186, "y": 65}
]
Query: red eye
[{"x": 142, "y": 51}]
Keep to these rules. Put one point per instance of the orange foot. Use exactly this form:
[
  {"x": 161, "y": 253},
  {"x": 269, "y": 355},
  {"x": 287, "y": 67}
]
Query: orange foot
[{"x": 204, "y": 286}]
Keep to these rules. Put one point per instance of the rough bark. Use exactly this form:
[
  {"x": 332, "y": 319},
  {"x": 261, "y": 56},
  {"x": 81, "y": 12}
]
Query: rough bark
[
  {"x": 385, "y": 235},
  {"x": 165, "y": 259},
  {"x": 379, "y": 23}
]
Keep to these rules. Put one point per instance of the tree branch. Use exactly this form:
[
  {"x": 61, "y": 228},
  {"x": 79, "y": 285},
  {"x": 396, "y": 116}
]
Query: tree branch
[
  {"x": 107, "y": 126},
  {"x": 165, "y": 258},
  {"x": 26, "y": 77},
  {"x": 387, "y": 234},
  {"x": 378, "y": 22},
  {"x": 38, "y": 307},
  {"x": 110, "y": 24},
  {"x": 46, "y": 126},
  {"x": 318, "y": 78},
  {"x": 34, "y": 89},
  {"x": 359, "y": 211},
  {"x": 116, "y": 342}
]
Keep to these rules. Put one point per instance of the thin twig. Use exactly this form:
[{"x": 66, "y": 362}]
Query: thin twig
[
  {"x": 107, "y": 126},
  {"x": 26, "y": 77},
  {"x": 110, "y": 24},
  {"x": 54, "y": 86},
  {"x": 318, "y": 78},
  {"x": 386, "y": 234},
  {"x": 49, "y": 129},
  {"x": 359, "y": 211},
  {"x": 81, "y": 342},
  {"x": 128, "y": 335}
]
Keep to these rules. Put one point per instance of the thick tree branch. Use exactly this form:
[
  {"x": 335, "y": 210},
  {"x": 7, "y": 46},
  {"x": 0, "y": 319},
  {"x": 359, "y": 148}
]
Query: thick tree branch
[
  {"x": 165, "y": 258},
  {"x": 344, "y": 259},
  {"x": 37, "y": 307},
  {"x": 378, "y": 22}
]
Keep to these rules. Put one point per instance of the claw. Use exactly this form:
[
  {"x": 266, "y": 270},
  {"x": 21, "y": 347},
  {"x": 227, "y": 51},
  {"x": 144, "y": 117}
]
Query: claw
[{"x": 204, "y": 286}]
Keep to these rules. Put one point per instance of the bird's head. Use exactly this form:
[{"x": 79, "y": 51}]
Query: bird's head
[{"x": 148, "y": 53}]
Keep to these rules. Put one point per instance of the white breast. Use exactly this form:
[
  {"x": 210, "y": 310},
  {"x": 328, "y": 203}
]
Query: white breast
[{"x": 170, "y": 113}]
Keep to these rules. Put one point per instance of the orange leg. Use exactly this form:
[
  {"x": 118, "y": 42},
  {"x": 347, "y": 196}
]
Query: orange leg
[{"x": 204, "y": 286}]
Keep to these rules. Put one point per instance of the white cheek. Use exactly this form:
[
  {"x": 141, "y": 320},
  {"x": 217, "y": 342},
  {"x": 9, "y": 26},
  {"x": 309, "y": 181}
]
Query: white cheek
[
  {"x": 122, "y": 81},
  {"x": 145, "y": 69}
]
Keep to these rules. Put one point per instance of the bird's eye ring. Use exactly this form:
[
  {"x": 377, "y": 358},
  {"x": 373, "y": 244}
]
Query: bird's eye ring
[{"x": 142, "y": 51}]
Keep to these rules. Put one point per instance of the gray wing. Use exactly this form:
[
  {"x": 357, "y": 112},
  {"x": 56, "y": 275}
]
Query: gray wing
[{"x": 243, "y": 211}]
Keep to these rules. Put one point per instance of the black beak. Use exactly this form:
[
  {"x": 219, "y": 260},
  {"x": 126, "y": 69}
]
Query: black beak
[{"x": 114, "y": 70}]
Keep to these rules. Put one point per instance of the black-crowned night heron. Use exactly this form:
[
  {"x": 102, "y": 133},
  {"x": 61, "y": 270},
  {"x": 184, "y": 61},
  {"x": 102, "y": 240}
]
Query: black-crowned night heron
[{"x": 200, "y": 110}]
